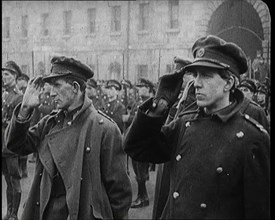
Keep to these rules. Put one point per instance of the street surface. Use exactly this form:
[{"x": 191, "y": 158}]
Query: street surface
[{"x": 141, "y": 213}]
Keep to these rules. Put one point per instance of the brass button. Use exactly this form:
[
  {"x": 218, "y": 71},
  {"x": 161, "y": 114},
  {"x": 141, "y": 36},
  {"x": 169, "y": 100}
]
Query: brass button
[
  {"x": 203, "y": 205},
  {"x": 176, "y": 195},
  {"x": 219, "y": 170},
  {"x": 178, "y": 157},
  {"x": 240, "y": 134},
  {"x": 88, "y": 149}
]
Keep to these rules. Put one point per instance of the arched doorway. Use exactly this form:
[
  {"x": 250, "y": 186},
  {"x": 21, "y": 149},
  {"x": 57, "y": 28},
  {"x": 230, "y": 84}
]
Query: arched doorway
[{"x": 237, "y": 21}]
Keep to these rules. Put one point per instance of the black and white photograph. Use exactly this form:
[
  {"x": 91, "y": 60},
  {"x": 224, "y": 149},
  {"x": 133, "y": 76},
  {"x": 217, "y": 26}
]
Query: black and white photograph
[{"x": 139, "y": 109}]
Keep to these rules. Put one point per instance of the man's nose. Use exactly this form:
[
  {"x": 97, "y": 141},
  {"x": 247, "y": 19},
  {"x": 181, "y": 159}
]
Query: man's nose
[{"x": 52, "y": 92}]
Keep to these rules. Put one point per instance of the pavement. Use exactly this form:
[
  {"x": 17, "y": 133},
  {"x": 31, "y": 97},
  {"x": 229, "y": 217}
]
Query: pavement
[{"x": 140, "y": 213}]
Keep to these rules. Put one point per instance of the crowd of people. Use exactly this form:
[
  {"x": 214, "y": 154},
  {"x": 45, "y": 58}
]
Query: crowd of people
[{"x": 206, "y": 127}]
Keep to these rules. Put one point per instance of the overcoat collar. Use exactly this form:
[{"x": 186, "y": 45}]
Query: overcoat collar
[{"x": 227, "y": 112}]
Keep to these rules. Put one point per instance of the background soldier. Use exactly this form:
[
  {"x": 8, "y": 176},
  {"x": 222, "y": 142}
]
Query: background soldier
[
  {"x": 93, "y": 92},
  {"x": 114, "y": 107},
  {"x": 141, "y": 170},
  {"x": 10, "y": 161},
  {"x": 22, "y": 82}
]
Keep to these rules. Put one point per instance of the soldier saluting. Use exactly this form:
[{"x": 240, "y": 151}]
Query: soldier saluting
[
  {"x": 220, "y": 158},
  {"x": 81, "y": 167},
  {"x": 10, "y": 161}
]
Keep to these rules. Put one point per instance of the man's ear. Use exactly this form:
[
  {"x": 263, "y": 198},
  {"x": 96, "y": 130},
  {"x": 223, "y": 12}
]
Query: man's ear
[
  {"x": 229, "y": 83},
  {"x": 76, "y": 86}
]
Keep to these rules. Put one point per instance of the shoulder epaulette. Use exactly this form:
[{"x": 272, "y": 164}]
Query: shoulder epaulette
[
  {"x": 55, "y": 111},
  {"x": 255, "y": 123},
  {"x": 187, "y": 113},
  {"x": 106, "y": 116},
  {"x": 254, "y": 103}
]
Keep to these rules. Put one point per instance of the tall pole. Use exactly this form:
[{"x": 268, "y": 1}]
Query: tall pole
[
  {"x": 97, "y": 72},
  {"x": 127, "y": 41},
  {"x": 159, "y": 64},
  {"x": 32, "y": 63}
]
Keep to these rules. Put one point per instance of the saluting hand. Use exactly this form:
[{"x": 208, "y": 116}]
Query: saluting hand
[{"x": 31, "y": 96}]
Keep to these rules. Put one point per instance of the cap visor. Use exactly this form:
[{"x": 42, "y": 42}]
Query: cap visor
[
  {"x": 203, "y": 63},
  {"x": 50, "y": 77}
]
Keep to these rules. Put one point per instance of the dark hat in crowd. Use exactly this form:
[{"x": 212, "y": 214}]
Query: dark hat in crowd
[
  {"x": 127, "y": 83},
  {"x": 212, "y": 51},
  {"x": 68, "y": 66},
  {"x": 262, "y": 88},
  {"x": 12, "y": 67},
  {"x": 91, "y": 82},
  {"x": 113, "y": 83},
  {"x": 24, "y": 76},
  {"x": 180, "y": 63},
  {"x": 248, "y": 83},
  {"x": 145, "y": 83}
]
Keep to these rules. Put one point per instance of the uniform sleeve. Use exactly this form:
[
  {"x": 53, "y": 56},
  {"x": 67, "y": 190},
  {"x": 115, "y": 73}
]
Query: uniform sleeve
[
  {"x": 114, "y": 173},
  {"x": 147, "y": 140},
  {"x": 257, "y": 179},
  {"x": 22, "y": 139}
]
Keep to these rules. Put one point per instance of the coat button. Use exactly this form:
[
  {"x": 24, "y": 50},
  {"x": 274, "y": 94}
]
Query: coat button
[
  {"x": 178, "y": 157},
  {"x": 88, "y": 149},
  {"x": 101, "y": 121},
  {"x": 40, "y": 174},
  {"x": 187, "y": 124},
  {"x": 240, "y": 134},
  {"x": 69, "y": 123},
  {"x": 37, "y": 203},
  {"x": 219, "y": 170},
  {"x": 203, "y": 205},
  {"x": 176, "y": 195}
]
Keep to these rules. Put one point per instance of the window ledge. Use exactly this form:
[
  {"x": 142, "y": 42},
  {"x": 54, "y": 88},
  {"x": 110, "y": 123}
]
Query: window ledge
[
  {"x": 143, "y": 32},
  {"x": 45, "y": 37},
  {"x": 91, "y": 35},
  {"x": 6, "y": 39},
  {"x": 66, "y": 36},
  {"x": 117, "y": 33},
  {"x": 176, "y": 30}
]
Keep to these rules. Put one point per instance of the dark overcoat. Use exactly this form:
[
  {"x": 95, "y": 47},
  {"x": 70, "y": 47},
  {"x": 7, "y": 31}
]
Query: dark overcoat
[
  {"x": 220, "y": 163},
  {"x": 89, "y": 157}
]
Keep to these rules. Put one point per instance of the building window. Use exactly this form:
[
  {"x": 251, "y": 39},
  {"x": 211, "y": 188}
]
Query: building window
[
  {"x": 91, "y": 20},
  {"x": 174, "y": 13},
  {"x": 67, "y": 22},
  {"x": 142, "y": 71},
  {"x": 45, "y": 24},
  {"x": 144, "y": 16},
  {"x": 116, "y": 19},
  {"x": 6, "y": 28},
  {"x": 24, "y": 26}
]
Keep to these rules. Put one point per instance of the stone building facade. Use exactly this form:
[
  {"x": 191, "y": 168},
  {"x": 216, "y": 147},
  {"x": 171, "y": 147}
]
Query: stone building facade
[{"x": 129, "y": 39}]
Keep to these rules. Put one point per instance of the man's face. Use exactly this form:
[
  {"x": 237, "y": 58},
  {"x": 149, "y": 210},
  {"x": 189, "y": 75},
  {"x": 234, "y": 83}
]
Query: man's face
[
  {"x": 63, "y": 93},
  {"x": 261, "y": 97},
  {"x": 91, "y": 91},
  {"x": 112, "y": 92},
  {"x": 22, "y": 85},
  {"x": 8, "y": 78},
  {"x": 143, "y": 91},
  {"x": 247, "y": 92},
  {"x": 209, "y": 89}
]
